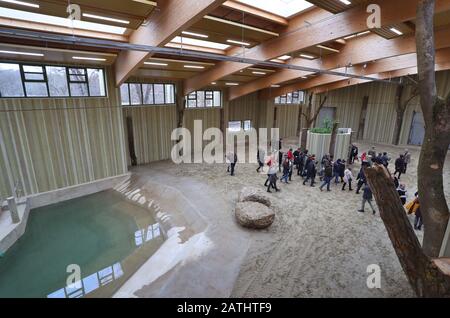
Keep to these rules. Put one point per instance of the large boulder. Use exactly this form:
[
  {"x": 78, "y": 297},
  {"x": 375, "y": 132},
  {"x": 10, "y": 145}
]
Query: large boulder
[
  {"x": 254, "y": 215},
  {"x": 249, "y": 194}
]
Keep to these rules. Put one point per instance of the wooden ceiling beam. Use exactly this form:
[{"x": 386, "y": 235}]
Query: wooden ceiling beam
[
  {"x": 382, "y": 69},
  {"x": 358, "y": 51},
  {"x": 165, "y": 22},
  {"x": 310, "y": 34}
]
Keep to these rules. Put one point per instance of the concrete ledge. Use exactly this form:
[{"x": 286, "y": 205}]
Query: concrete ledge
[
  {"x": 73, "y": 192},
  {"x": 10, "y": 232}
]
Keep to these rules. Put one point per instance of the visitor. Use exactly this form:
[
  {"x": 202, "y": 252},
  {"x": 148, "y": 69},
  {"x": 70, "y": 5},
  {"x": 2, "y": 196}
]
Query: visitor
[
  {"x": 303, "y": 161},
  {"x": 348, "y": 177},
  {"x": 233, "y": 163},
  {"x": 260, "y": 157},
  {"x": 372, "y": 154},
  {"x": 361, "y": 178},
  {"x": 336, "y": 169},
  {"x": 402, "y": 193},
  {"x": 297, "y": 158},
  {"x": 418, "y": 221},
  {"x": 272, "y": 176},
  {"x": 396, "y": 182},
  {"x": 399, "y": 166},
  {"x": 328, "y": 176},
  {"x": 407, "y": 158},
  {"x": 353, "y": 154},
  {"x": 280, "y": 160},
  {"x": 385, "y": 160},
  {"x": 367, "y": 197},
  {"x": 311, "y": 171},
  {"x": 342, "y": 170},
  {"x": 364, "y": 157},
  {"x": 286, "y": 167}
]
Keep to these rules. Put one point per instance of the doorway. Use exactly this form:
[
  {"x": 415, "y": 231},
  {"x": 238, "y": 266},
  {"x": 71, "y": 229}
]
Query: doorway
[{"x": 417, "y": 133}]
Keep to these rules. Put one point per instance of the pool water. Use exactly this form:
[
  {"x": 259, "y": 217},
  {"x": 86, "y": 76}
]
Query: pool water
[{"x": 97, "y": 241}]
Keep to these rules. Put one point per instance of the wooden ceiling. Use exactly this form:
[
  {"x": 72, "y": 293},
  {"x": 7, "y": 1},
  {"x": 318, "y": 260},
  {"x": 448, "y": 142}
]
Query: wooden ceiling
[{"x": 223, "y": 22}]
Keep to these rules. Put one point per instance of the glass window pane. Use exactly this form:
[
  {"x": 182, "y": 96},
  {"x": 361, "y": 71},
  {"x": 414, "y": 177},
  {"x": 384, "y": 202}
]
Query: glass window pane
[
  {"x": 234, "y": 126},
  {"x": 200, "y": 99},
  {"x": 76, "y": 71},
  {"x": 136, "y": 94},
  {"x": 36, "y": 89},
  {"x": 78, "y": 89},
  {"x": 217, "y": 99},
  {"x": 170, "y": 94},
  {"x": 159, "y": 94},
  {"x": 32, "y": 69},
  {"x": 191, "y": 103},
  {"x": 277, "y": 100},
  {"x": 96, "y": 82},
  {"x": 289, "y": 98},
  {"x": 147, "y": 90},
  {"x": 57, "y": 81},
  {"x": 247, "y": 125},
  {"x": 124, "y": 94},
  {"x": 283, "y": 99},
  {"x": 209, "y": 103},
  {"x": 34, "y": 76},
  {"x": 77, "y": 78},
  {"x": 10, "y": 80},
  {"x": 192, "y": 95}
]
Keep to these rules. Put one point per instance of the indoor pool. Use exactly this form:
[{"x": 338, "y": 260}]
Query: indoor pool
[{"x": 97, "y": 241}]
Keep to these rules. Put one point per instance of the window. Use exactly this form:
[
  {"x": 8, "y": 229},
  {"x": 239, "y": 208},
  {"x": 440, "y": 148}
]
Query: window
[
  {"x": 37, "y": 81},
  {"x": 235, "y": 126},
  {"x": 291, "y": 98},
  {"x": 136, "y": 94},
  {"x": 201, "y": 99},
  {"x": 247, "y": 125}
]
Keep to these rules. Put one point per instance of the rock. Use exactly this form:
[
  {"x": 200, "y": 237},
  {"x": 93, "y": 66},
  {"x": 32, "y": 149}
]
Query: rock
[
  {"x": 254, "y": 215},
  {"x": 249, "y": 194}
]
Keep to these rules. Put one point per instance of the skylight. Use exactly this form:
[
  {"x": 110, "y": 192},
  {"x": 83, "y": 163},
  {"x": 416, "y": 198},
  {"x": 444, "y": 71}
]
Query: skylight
[
  {"x": 64, "y": 22},
  {"x": 284, "y": 8},
  {"x": 195, "y": 42}
]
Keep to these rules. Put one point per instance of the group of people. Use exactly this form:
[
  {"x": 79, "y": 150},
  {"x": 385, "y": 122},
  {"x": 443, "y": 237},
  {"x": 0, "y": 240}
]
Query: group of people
[{"x": 339, "y": 171}]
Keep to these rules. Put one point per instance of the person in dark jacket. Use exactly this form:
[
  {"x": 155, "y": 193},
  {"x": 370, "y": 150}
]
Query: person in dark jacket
[
  {"x": 402, "y": 193},
  {"x": 260, "y": 157},
  {"x": 311, "y": 171},
  {"x": 418, "y": 221},
  {"x": 385, "y": 159},
  {"x": 353, "y": 154},
  {"x": 280, "y": 160},
  {"x": 328, "y": 176},
  {"x": 367, "y": 197},
  {"x": 336, "y": 168},
  {"x": 399, "y": 166},
  {"x": 286, "y": 168},
  {"x": 233, "y": 163},
  {"x": 361, "y": 180}
]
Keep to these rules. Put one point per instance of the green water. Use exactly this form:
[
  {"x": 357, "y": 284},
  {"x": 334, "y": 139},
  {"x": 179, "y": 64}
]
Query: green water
[{"x": 94, "y": 232}]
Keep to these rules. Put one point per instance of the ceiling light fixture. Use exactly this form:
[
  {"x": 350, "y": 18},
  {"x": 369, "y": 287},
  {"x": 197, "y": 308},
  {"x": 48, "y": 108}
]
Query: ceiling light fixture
[
  {"x": 194, "y": 66},
  {"x": 22, "y": 3},
  {"x": 150, "y": 3},
  {"x": 307, "y": 56},
  {"x": 238, "y": 42},
  {"x": 203, "y": 36},
  {"x": 213, "y": 83},
  {"x": 275, "y": 86},
  {"x": 346, "y": 2},
  {"x": 156, "y": 63},
  {"x": 89, "y": 58},
  {"x": 232, "y": 84},
  {"x": 99, "y": 17},
  {"x": 259, "y": 73},
  {"x": 396, "y": 31},
  {"x": 21, "y": 53},
  {"x": 284, "y": 57}
]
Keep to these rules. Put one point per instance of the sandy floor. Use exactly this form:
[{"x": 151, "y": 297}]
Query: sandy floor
[{"x": 319, "y": 245}]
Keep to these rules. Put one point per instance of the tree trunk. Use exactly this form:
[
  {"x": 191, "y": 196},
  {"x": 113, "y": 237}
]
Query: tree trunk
[
  {"x": 333, "y": 139},
  {"x": 400, "y": 111},
  {"x": 436, "y": 112},
  {"x": 299, "y": 121},
  {"x": 426, "y": 279}
]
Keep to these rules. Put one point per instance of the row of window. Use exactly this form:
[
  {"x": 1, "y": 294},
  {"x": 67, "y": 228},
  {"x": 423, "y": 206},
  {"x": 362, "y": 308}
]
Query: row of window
[
  {"x": 291, "y": 98},
  {"x": 201, "y": 99},
  {"x": 28, "y": 80},
  {"x": 237, "y": 125},
  {"x": 135, "y": 94}
]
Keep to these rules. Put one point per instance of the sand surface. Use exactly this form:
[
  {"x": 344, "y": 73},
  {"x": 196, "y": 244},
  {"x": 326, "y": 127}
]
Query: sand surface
[{"x": 319, "y": 245}]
